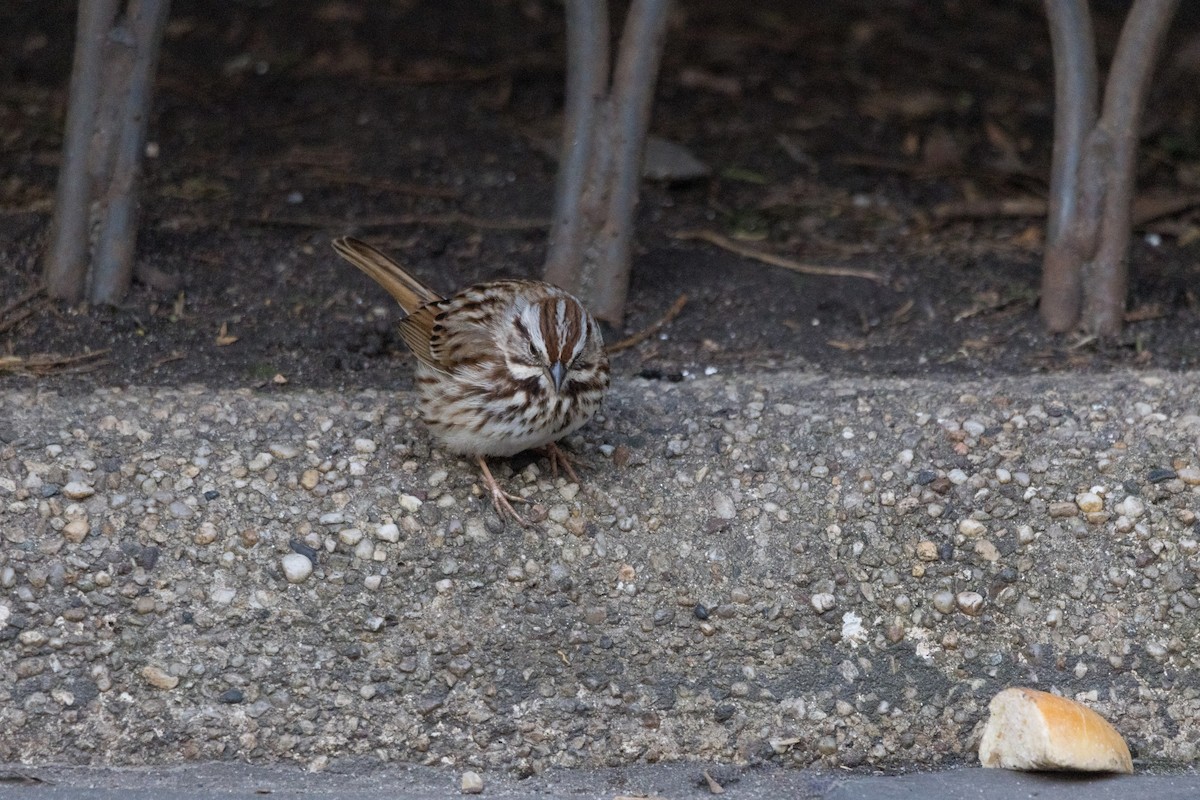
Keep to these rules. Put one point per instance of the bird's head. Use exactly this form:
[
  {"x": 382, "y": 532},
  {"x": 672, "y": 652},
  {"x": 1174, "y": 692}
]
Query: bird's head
[{"x": 555, "y": 340}]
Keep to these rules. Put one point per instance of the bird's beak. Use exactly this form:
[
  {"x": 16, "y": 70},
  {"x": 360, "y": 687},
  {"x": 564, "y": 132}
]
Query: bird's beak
[{"x": 558, "y": 372}]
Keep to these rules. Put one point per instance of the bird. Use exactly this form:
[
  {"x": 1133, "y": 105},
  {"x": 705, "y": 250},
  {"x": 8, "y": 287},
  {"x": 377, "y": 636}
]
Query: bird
[{"x": 502, "y": 366}]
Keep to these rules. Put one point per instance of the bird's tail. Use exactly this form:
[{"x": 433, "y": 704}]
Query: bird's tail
[{"x": 409, "y": 292}]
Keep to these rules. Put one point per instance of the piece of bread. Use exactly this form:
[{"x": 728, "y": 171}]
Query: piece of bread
[{"x": 1032, "y": 730}]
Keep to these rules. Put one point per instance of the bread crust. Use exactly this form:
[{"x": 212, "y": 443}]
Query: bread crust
[{"x": 1032, "y": 730}]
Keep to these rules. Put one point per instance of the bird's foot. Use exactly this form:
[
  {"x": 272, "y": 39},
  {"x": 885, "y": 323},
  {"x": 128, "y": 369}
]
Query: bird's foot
[
  {"x": 559, "y": 457},
  {"x": 500, "y": 498}
]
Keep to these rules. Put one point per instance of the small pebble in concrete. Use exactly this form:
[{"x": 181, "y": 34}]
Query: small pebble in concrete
[
  {"x": 283, "y": 451},
  {"x": 1089, "y": 502},
  {"x": 944, "y": 601},
  {"x": 296, "y": 568},
  {"x": 472, "y": 782},
  {"x": 987, "y": 551},
  {"x": 723, "y": 507},
  {"x": 970, "y": 602},
  {"x": 823, "y": 601},
  {"x": 159, "y": 678},
  {"x": 260, "y": 462},
  {"x": 77, "y": 490},
  {"x": 971, "y": 528},
  {"x": 76, "y": 530},
  {"x": 1131, "y": 507},
  {"x": 1062, "y": 510},
  {"x": 1161, "y": 475}
]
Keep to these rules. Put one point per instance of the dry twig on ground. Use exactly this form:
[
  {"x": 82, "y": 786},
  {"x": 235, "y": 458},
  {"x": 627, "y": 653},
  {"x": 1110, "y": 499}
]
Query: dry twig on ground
[
  {"x": 645, "y": 333},
  {"x": 725, "y": 243},
  {"x": 46, "y": 363},
  {"x": 20, "y": 309}
]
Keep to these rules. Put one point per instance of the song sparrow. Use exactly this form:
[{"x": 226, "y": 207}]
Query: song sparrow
[{"x": 502, "y": 366}]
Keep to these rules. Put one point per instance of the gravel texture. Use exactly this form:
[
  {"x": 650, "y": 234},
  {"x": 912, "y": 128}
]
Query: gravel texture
[{"x": 781, "y": 568}]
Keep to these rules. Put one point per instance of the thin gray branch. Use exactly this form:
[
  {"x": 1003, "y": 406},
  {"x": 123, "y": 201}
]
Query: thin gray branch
[
  {"x": 632, "y": 97},
  {"x": 113, "y": 268},
  {"x": 1075, "y": 97},
  {"x": 587, "y": 84},
  {"x": 65, "y": 265},
  {"x": 604, "y": 133},
  {"x": 1106, "y": 277}
]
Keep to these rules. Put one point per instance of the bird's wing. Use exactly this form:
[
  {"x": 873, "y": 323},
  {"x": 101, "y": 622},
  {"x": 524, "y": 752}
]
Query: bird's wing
[{"x": 468, "y": 327}]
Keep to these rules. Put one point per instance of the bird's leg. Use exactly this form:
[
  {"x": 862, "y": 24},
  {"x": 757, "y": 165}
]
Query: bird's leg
[
  {"x": 500, "y": 498},
  {"x": 560, "y": 457}
]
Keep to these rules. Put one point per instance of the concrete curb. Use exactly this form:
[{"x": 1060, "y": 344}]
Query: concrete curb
[{"x": 772, "y": 569}]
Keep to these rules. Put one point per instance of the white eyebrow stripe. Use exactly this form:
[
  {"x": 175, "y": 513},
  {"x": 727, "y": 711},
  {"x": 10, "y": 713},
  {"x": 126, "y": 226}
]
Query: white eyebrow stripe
[
  {"x": 580, "y": 341},
  {"x": 561, "y": 327}
]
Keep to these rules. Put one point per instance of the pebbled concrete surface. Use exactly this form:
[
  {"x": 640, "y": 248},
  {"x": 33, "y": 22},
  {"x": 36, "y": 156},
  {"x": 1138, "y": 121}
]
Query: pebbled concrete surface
[{"x": 773, "y": 570}]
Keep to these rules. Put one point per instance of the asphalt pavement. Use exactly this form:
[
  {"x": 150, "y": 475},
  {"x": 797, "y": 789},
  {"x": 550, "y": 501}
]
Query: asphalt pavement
[{"x": 669, "y": 782}]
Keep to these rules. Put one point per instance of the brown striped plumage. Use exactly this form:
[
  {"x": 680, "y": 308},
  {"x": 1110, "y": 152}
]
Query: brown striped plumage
[{"x": 502, "y": 366}]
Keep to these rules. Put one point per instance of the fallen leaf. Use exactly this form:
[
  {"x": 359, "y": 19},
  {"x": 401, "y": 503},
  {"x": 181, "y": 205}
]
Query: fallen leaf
[
  {"x": 694, "y": 78},
  {"x": 743, "y": 175},
  {"x": 223, "y": 337},
  {"x": 903, "y": 313},
  {"x": 196, "y": 188},
  {"x": 1030, "y": 238},
  {"x": 910, "y": 105},
  {"x": 667, "y": 161},
  {"x": 713, "y": 786},
  {"x": 1145, "y": 312},
  {"x": 782, "y": 745}
]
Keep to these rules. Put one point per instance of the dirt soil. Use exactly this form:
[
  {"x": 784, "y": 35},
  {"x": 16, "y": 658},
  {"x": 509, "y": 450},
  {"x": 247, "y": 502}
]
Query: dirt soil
[{"x": 852, "y": 135}]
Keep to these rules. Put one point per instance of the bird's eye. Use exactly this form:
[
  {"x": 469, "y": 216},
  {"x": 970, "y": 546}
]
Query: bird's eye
[{"x": 533, "y": 350}]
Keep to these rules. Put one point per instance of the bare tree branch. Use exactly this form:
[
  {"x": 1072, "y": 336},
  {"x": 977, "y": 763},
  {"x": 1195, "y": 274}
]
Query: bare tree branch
[
  {"x": 1106, "y": 277},
  {"x": 587, "y": 83},
  {"x": 116, "y": 55},
  {"x": 1075, "y": 92},
  {"x": 113, "y": 263},
  {"x": 603, "y": 138},
  {"x": 65, "y": 266},
  {"x": 632, "y": 97},
  {"x": 1085, "y": 271}
]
